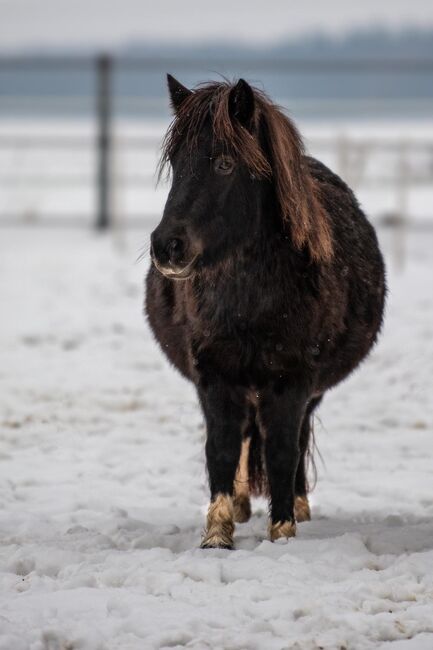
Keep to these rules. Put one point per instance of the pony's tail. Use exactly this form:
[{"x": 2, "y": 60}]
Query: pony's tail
[
  {"x": 312, "y": 448},
  {"x": 309, "y": 459},
  {"x": 257, "y": 477}
]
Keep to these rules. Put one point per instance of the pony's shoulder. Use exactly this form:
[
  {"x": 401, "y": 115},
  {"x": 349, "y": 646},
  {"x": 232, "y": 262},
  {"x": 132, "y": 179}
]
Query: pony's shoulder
[{"x": 321, "y": 173}]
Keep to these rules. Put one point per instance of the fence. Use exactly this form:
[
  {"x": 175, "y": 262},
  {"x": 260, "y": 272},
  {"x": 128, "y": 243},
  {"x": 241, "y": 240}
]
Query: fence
[{"x": 353, "y": 156}]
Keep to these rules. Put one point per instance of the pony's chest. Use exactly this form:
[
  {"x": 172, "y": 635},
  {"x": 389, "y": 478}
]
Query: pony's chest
[
  {"x": 251, "y": 329},
  {"x": 248, "y": 346}
]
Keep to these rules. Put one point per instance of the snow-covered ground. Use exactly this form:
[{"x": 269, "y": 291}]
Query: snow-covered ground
[{"x": 103, "y": 485}]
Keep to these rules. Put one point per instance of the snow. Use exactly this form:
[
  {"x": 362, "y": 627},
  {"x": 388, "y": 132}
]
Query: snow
[{"x": 103, "y": 483}]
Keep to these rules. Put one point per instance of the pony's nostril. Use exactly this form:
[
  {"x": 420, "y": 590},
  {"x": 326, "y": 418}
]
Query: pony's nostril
[
  {"x": 174, "y": 244},
  {"x": 174, "y": 248}
]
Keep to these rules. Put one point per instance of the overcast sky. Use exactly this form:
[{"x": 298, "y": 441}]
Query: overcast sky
[{"x": 110, "y": 23}]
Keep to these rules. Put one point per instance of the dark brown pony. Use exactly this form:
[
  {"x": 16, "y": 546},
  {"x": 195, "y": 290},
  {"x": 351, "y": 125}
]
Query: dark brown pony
[{"x": 266, "y": 288}]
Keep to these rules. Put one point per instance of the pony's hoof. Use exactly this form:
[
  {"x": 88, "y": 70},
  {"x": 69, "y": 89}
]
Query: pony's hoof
[
  {"x": 218, "y": 538},
  {"x": 219, "y": 526},
  {"x": 281, "y": 529},
  {"x": 207, "y": 545},
  {"x": 221, "y": 538},
  {"x": 241, "y": 509},
  {"x": 302, "y": 509}
]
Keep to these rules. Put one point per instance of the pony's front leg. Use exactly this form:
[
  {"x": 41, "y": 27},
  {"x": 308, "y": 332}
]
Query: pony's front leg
[
  {"x": 224, "y": 414},
  {"x": 281, "y": 411}
]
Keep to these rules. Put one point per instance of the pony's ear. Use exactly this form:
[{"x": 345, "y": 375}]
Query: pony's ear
[
  {"x": 241, "y": 103},
  {"x": 178, "y": 93}
]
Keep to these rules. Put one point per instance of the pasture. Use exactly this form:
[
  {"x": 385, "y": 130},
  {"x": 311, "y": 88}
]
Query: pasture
[{"x": 103, "y": 488}]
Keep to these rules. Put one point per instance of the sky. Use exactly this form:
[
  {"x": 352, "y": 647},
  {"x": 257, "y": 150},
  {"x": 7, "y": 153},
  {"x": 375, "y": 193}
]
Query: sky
[{"x": 113, "y": 23}]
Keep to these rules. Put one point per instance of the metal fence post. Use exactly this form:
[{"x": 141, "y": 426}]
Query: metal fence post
[{"x": 104, "y": 68}]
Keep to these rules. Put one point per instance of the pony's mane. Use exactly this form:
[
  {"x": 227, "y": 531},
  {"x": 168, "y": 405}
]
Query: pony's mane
[{"x": 296, "y": 191}]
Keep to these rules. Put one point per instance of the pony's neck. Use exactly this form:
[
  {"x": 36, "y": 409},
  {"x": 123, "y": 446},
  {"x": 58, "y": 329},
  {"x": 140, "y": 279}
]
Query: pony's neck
[{"x": 256, "y": 253}]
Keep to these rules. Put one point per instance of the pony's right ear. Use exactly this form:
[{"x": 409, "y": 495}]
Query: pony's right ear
[
  {"x": 241, "y": 103},
  {"x": 178, "y": 93}
]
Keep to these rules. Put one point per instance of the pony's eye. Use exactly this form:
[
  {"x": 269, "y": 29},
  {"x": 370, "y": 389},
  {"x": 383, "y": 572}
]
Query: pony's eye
[{"x": 224, "y": 165}]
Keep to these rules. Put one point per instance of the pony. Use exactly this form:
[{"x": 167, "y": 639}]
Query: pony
[{"x": 266, "y": 288}]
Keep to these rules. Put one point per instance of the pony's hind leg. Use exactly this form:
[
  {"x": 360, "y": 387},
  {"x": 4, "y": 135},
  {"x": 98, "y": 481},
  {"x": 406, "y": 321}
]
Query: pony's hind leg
[
  {"x": 241, "y": 491},
  {"x": 302, "y": 506}
]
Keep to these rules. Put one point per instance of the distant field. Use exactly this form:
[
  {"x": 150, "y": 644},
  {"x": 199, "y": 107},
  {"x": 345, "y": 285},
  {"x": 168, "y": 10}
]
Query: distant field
[{"x": 37, "y": 183}]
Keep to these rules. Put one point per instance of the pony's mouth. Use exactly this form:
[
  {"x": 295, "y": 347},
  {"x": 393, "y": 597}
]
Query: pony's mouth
[{"x": 176, "y": 273}]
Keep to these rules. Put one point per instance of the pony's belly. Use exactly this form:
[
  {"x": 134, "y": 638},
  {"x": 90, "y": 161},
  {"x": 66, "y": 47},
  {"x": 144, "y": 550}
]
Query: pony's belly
[
  {"x": 246, "y": 362},
  {"x": 323, "y": 361}
]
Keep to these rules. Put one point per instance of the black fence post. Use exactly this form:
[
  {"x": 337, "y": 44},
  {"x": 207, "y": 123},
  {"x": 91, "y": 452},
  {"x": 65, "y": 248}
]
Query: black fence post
[{"x": 104, "y": 68}]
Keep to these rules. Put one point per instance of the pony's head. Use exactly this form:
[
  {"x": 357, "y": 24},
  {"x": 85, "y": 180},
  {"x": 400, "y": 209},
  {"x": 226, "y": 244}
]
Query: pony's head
[{"x": 234, "y": 155}]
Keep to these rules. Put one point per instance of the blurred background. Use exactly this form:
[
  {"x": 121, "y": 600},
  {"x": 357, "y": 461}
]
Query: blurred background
[
  {"x": 101, "y": 442},
  {"x": 83, "y": 101}
]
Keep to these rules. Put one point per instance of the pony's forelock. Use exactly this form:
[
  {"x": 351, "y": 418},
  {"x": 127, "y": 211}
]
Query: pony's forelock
[
  {"x": 296, "y": 191},
  {"x": 212, "y": 100}
]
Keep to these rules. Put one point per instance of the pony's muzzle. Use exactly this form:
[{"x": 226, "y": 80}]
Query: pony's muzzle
[
  {"x": 171, "y": 257},
  {"x": 169, "y": 250}
]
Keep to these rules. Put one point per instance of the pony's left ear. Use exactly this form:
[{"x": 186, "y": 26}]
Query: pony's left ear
[
  {"x": 178, "y": 93},
  {"x": 241, "y": 103}
]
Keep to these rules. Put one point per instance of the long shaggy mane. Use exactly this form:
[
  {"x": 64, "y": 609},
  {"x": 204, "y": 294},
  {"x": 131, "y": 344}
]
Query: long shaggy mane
[{"x": 284, "y": 163}]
